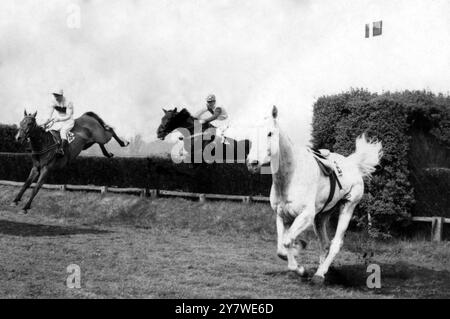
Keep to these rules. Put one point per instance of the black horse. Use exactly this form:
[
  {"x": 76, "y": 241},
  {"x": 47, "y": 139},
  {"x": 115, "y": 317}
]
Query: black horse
[{"x": 200, "y": 141}]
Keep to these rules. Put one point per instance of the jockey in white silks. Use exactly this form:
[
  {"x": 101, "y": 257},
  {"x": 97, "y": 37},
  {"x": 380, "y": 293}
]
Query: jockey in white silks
[
  {"x": 218, "y": 117},
  {"x": 60, "y": 118}
]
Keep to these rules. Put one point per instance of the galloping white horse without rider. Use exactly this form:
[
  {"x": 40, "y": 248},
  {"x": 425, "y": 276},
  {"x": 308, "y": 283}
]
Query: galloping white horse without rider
[{"x": 300, "y": 190}]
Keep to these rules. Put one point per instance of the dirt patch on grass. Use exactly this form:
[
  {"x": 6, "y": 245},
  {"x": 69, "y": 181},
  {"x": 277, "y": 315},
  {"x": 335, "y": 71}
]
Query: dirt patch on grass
[
  {"x": 399, "y": 279},
  {"x": 36, "y": 230}
]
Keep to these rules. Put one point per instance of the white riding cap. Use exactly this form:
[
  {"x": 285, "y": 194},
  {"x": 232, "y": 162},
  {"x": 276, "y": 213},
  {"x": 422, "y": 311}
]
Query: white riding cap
[{"x": 59, "y": 92}]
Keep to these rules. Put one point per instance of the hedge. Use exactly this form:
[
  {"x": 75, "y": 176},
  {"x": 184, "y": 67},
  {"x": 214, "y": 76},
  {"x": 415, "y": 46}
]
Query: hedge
[
  {"x": 8, "y": 141},
  {"x": 150, "y": 172},
  {"x": 399, "y": 120}
]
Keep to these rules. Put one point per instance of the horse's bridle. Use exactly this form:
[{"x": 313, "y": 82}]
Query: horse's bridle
[
  {"x": 50, "y": 148},
  {"x": 27, "y": 135}
]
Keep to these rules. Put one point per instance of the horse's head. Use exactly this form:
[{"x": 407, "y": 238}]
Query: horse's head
[
  {"x": 171, "y": 121},
  {"x": 26, "y": 126},
  {"x": 264, "y": 143}
]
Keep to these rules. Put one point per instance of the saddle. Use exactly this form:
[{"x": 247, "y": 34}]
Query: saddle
[{"x": 328, "y": 169}]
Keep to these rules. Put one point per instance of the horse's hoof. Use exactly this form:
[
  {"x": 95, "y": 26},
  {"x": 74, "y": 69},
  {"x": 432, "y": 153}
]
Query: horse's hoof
[
  {"x": 24, "y": 211},
  {"x": 301, "y": 271},
  {"x": 110, "y": 155},
  {"x": 14, "y": 204},
  {"x": 282, "y": 257},
  {"x": 318, "y": 280}
]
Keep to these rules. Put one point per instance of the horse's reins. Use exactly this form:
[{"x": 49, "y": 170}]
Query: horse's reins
[
  {"x": 50, "y": 148},
  {"x": 46, "y": 150},
  {"x": 195, "y": 135},
  {"x": 199, "y": 134}
]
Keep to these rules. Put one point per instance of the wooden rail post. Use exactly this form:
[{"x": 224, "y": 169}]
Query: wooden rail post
[
  {"x": 103, "y": 190},
  {"x": 437, "y": 229},
  {"x": 247, "y": 199},
  {"x": 153, "y": 193},
  {"x": 202, "y": 198}
]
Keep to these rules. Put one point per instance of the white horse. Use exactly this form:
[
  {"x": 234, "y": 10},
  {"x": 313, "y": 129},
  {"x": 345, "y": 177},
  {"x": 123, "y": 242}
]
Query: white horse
[{"x": 300, "y": 190}]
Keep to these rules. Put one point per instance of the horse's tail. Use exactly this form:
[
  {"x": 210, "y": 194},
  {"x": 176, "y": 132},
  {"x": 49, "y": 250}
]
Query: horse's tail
[
  {"x": 367, "y": 155},
  {"x": 98, "y": 119}
]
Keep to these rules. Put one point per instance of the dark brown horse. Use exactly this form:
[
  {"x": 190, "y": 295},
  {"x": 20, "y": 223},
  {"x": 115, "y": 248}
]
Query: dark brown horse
[
  {"x": 199, "y": 144},
  {"x": 88, "y": 130}
]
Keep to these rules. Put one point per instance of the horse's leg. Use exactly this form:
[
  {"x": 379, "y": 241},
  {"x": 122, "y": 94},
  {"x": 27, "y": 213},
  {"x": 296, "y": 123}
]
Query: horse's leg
[
  {"x": 282, "y": 251},
  {"x": 281, "y": 228},
  {"x": 281, "y": 232},
  {"x": 40, "y": 182},
  {"x": 121, "y": 143},
  {"x": 105, "y": 152},
  {"x": 345, "y": 216},
  {"x": 321, "y": 228},
  {"x": 293, "y": 251},
  {"x": 301, "y": 223},
  {"x": 34, "y": 173}
]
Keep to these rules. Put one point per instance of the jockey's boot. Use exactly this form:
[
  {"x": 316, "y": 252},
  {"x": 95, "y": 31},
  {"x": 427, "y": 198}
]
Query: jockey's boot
[{"x": 60, "y": 151}]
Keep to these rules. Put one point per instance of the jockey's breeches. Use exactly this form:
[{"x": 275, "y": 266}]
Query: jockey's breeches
[{"x": 63, "y": 127}]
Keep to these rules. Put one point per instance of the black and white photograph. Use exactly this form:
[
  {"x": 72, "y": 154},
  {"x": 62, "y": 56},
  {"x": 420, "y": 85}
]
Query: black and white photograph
[{"x": 224, "y": 154}]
